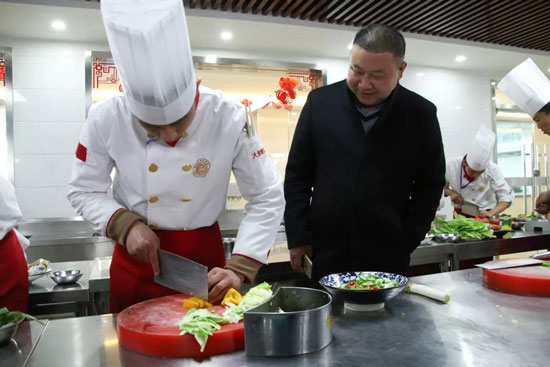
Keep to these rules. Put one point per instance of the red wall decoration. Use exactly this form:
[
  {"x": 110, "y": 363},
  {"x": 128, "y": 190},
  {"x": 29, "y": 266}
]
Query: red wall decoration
[
  {"x": 104, "y": 71},
  {"x": 2, "y": 72}
]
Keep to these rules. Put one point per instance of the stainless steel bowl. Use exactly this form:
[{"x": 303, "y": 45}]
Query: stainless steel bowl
[
  {"x": 362, "y": 300},
  {"x": 65, "y": 276},
  {"x": 447, "y": 237},
  {"x": 294, "y": 321},
  {"x": 37, "y": 276},
  {"x": 8, "y": 331}
]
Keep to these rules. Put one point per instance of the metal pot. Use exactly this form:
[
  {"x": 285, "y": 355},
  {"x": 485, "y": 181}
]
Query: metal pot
[{"x": 294, "y": 321}]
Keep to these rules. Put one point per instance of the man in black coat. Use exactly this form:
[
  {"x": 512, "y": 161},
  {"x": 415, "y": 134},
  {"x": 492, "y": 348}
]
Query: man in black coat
[{"x": 366, "y": 168}]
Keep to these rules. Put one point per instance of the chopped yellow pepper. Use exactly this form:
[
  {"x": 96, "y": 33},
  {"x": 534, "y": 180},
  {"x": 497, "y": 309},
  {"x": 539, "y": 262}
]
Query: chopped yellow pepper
[
  {"x": 232, "y": 296},
  {"x": 196, "y": 302}
]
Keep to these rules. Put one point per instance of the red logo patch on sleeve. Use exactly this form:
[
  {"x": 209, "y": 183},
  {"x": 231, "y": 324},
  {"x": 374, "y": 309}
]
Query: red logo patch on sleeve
[
  {"x": 81, "y": 152},
  {"x": 258, "y": 153}
]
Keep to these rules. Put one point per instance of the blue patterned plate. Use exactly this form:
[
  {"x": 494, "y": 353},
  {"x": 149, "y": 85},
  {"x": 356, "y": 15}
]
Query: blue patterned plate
[{"x": 333, "y": 282}]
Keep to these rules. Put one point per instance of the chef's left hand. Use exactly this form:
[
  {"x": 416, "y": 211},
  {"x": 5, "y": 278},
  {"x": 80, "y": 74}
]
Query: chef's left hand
[
  {"x": 486, "y": 214},
  {"x": 220, "y": 281}
]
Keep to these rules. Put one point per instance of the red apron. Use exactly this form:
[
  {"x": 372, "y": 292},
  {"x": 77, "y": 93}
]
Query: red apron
[
  {"x": 132, "y": 280},
  {"x": 14, "y": 287}
]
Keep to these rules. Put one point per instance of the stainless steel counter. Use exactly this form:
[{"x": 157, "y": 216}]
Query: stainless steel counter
[
  {"x": 479, "y": 327},
  {"x": 17, "y": 352}
]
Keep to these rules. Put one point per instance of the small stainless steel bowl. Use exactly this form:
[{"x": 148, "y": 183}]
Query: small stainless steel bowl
[
  {"x": 65, "y": 276},
  {"x": 447, "y": 237},
  {"x": 8, "y": 331}
]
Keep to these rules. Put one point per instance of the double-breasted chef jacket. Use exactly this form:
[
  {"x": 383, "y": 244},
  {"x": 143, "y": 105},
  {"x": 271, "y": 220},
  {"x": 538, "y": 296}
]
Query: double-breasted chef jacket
[
  {"x": 14, "y": 287},
  {"x": 180, "y": 187},
  {"x": 486, "y": 190}
]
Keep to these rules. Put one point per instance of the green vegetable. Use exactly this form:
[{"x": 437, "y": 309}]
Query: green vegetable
[
  {"x": 202, "y": 323},
  {"x": 465, "y": 227},
  {"x": 11, "y": 317},
  {"x": 546, "y": 263},
  {"x": 370, "y": 282}
]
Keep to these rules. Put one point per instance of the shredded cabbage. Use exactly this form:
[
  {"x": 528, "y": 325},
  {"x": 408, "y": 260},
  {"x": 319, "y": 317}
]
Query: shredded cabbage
[{"x": 254, "y": 297}]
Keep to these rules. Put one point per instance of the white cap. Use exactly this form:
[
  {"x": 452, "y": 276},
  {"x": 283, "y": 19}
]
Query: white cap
[
  {"x": 527, "y": 86},
  {"x": 480, "y": 152},
  {"x": 150, "y": 45}
]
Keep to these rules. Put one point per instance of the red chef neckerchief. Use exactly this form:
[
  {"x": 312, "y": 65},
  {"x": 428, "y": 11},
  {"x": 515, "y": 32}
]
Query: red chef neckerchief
[{"x": 197, "y": 97}]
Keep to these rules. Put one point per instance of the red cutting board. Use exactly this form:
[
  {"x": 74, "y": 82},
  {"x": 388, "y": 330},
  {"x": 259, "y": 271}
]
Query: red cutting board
[
  {"x": 527, "y": 280},
  {"x": 149, "y": 328}
]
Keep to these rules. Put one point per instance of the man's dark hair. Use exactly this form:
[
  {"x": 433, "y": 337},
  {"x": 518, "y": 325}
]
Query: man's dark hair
[
  {"x": 381, "y": 38},
  {"x": 545, "y": 109}
]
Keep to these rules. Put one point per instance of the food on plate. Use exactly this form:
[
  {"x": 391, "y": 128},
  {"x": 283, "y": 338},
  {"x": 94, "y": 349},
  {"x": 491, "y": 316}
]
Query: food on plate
[
  {"x": 232, "y": 296},
  {"x": 201, "y": 322},
  {"x": 465, "y": 227},
  {"x": 38, "y": 267},
  {"x": 369, "y": 282}
]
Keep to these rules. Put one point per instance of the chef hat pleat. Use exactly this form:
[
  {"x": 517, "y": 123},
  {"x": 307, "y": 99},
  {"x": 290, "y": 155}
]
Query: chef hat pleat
[
  {"x": 151, "y": 49},
  {"x": 480, "y": 151}
]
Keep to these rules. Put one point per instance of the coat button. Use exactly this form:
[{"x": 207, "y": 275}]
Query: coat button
[
  {"x": 153, "y": 226},
  {"x": 186, "y": 200},
  {"x": 153, "y": 199},
  {"x": 186, "y": 167},
  {"x": 184, "y": 134},
  {"x": 153, "y": 167}
]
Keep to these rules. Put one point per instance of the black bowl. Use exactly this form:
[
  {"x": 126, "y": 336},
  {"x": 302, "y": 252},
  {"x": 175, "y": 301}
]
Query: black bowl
[{"x": 377, "y": 298}]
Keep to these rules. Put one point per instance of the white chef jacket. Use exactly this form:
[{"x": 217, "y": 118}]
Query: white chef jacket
[
  {"x": 10, "y": 214},
  {"x": 181, "y": 187},
  {"x": 485, "y": 191}
]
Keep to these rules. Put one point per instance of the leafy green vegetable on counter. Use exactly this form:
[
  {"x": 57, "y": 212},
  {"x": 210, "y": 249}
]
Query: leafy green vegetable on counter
[
  {"x": 201, "y": 322},
  {"x": 11, "y": 317},
  {"x": 546, "y": 263},
  {"x": 465, "y": 227}
]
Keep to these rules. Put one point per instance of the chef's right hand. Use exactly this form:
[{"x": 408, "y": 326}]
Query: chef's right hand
[
  {"x": 297, "y": 255},
  {"x": 456, "y": 198},
  {"x": 542, "y": 205},
  {"x": 143, "y": 245}
]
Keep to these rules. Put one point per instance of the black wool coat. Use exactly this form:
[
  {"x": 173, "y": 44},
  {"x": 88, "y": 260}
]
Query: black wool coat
[{"x": 364, "y": 202}]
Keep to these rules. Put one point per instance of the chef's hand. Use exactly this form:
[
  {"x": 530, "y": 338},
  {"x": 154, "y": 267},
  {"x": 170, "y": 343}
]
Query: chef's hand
[
  {"x": 297, "y": 255},
  {"x": 456, "y": 198},
  {"x": 143, "y": 245},
  {"x": 486, "y": 214},
  {"x": 542, "y": 205},
  {"x": 220, "y": 281}
]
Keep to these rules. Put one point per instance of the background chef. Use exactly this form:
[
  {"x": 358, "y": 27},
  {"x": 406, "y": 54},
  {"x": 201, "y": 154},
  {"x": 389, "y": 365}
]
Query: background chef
[
  {"x": 173, "y": 146},
  {"x": 476, "y": 179},
  {"x": 529, "y": 88},
  {"x": 14, "y": 287}
]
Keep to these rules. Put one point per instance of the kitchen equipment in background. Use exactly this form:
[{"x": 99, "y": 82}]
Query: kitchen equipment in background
[
  {"x": 183, "y": 275},
  {"x": 362, "y": 300},
  {"x": 446, "y": 237},
  {"x": 537, "y": 225},
  {"x": 294, "y": 321},
  {"x": 150, "y": 328},
  {"x": 65, "y": 276},
  {"x": 470, "y": 208},
  {"x": 428, "y": 292}
]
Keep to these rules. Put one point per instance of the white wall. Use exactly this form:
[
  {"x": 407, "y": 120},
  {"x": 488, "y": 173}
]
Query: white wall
[{"x": 50, "y": 111}]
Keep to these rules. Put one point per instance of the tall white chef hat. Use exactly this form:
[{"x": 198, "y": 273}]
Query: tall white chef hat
[
  {"x": 480, "y": 152},
  {"x": 150, "y": 45},
  {"x": 527, "y": 86}
]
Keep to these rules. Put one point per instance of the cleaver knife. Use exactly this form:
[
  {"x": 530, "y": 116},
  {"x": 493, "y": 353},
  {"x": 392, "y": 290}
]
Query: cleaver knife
[
  {"x": 183, "y": 275},
  {"x": 470, "y": 208},
  {"x": 510, "y": 263}
]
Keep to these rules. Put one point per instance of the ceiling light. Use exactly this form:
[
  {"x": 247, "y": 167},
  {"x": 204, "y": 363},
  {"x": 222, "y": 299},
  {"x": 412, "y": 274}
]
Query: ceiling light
[
  {"x": 350, "y": 46},
  {"x": 226, "y": 36},
  {"x": 460, "y": 58},
  {"x": 211, "y": 59},
  {"x": 58, "y": 25},
  {"x": 419, "y": 75}
]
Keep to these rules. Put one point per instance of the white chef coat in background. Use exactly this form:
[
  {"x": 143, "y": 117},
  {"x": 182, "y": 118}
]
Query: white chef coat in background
[
  {"x": 181, "y": 187},
  {"x": 485, "y": 191},
  {"x": 10, "y": 214}
]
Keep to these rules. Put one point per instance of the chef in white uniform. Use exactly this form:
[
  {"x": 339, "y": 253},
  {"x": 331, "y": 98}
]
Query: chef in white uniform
[
  {"x": 475, "y": 178},
  {"x": 529, "y": 88},
  {"x": 14, "y": 286},
  {"x": 173, "y": 146}
]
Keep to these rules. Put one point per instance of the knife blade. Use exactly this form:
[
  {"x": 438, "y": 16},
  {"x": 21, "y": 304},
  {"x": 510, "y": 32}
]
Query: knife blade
[
  {"x": 183, "y": 275},
  {"x": 470, "y": 208},
  {"x": 510, "y": 263}
]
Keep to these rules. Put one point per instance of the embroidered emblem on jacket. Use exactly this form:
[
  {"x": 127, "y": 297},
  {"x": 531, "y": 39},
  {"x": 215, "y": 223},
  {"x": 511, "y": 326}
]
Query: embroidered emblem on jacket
[
  {"x": 201, "y": 168},
  {"x": 258, "y": 153}
]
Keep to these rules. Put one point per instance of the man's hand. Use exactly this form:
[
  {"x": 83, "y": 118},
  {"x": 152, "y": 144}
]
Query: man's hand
[
  {"x": 143, "y": 245},
  {"x": 220, "y": 281},
  {"x": 542, "y": 205},
  {"x": 486, "y": 214},
  {"x": 456, "y": 198},
  {"x": 296, "y": 257}
]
